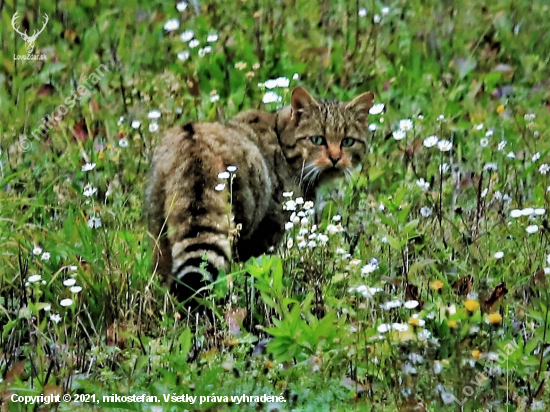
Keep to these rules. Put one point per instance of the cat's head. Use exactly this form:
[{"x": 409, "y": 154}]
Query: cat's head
[{"x": 324, "y": 139}]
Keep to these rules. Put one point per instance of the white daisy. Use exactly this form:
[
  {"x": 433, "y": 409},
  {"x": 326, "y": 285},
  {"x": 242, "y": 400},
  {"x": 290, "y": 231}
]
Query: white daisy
[
  {"x": 34, "y": 278},
  {"x": 187, "y": 35},
  {"x": 383, "y": 328},
  {"x": 94, "y": 223},
  {"x": 89, "y": 190},
  {"x": 444, "y": 145},
  {"x": 69, "y": 282},
  {"x": 425, "y": 211},
  {"x": 181, "y": 6},
  {"x": 88, "y": 166},
  {"x": 271, "y": 97},
  {"x": 399, "y": 134},
  {"x": 278, "y": 82},
  {"x": 154, "y": 114},
  {"x": 368, "y": 268},
  {"x": 204, "y": 51},
  {"x": 406, "y": 124},
  {"x": 400, "y": 327},
  {"x": 54, "y": 317},
  {"x": 431, "y": 141},
  {"x": 377, "y": 109},
  {"x": 171, "y": 25},
  {"x": 66, "y": 302},
  {"x": 515, "y": 213},
  {"x": 421, "y": 183},
  {"x": 153, "y": 127},
  {"x": 212, "y": 37},
  {"x": 183, "y": 55},
  {"x": 392, "y": 304},
  {"x": 532, "y": 229},
  {"x": 289, "y": 205},
  {"x": 499, "y": 255}
]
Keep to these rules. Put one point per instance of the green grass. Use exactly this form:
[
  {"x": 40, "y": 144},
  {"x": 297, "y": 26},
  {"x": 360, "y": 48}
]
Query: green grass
[{"x": 473, "y": 73}]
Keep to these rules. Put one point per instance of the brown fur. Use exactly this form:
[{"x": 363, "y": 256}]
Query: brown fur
[{"x": 274, "y": 152}]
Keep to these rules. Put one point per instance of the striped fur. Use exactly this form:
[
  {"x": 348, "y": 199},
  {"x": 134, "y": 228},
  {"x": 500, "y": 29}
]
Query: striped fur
[{"x": 273, "y": 152}]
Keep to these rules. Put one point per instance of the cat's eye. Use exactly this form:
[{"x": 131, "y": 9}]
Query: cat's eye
[
  {"x": 318, "y": 140},
  {"x": 348, "y": 141}
]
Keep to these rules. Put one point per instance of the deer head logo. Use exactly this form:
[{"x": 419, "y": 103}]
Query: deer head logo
[{"x": 29, "y": 40}]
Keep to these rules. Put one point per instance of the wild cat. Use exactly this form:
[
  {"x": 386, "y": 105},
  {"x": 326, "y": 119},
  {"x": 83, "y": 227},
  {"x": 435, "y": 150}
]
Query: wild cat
[{"x": 293, "y": 149}]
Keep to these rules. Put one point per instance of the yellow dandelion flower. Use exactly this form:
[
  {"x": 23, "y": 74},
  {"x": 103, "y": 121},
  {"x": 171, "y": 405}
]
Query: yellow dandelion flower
[
  {"x": 476, "y": 354},
  {"x": 494, "y": 318},
  {"x": 451, "y": 323},
  {"x": 414, "y": 321},
  {"x": 500, "y": 109},
  {"x": 471, "y": 305},
  {"x": 436, "y": 285}
]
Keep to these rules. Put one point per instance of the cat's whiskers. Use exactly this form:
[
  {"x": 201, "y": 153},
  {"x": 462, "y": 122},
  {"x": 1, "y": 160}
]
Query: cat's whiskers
[
  {"x": 311, "y": 177},
  {"x": 304, "y": 171},
  {"x": 349, "y": 174}
]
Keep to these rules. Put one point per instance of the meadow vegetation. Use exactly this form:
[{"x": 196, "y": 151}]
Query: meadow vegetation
[{"x": 422, "y": 283}]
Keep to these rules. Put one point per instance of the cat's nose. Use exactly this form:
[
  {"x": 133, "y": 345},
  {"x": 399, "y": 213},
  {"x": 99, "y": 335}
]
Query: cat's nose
[{"x": 334, "y": 160}]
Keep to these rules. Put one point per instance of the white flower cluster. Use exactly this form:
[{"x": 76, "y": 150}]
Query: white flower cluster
[
  {"x": 442, "y": 144},
  {"x": 272, "y": 96},
  {"x": 528, "y": 211},
  {"x": 366, "y": 291},
  {"x": 225, "y": 175},
  {"x": 69, "y": 282}
]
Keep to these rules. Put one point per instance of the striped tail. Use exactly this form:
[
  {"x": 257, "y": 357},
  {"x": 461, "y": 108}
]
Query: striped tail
[
  {"x": 196, "y": 215},
  {"x": 197, "y": 271}
]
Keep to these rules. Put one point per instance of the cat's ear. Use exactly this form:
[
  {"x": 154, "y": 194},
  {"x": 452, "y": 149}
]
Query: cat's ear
[
  {"x": 301, "y": 101},
  {"x": 361, "y": 104}
]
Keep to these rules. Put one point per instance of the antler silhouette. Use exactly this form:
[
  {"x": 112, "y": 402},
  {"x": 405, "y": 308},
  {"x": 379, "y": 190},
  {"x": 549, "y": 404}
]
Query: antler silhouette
[
  {"x": 28, "y": 39},
  {"x": 13, "y": 21},
  {"x": 35, "y": 35}
]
